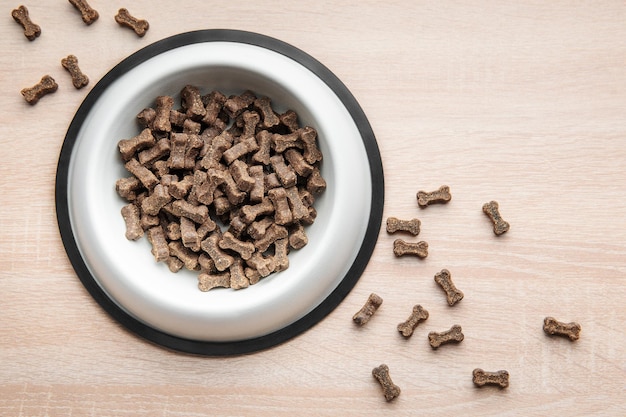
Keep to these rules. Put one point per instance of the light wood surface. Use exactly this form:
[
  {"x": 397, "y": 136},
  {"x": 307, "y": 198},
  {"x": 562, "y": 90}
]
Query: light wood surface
[{"x": 519, "y": 102}]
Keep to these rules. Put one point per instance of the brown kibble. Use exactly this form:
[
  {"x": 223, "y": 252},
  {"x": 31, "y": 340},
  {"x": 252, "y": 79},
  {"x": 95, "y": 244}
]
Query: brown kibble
[
  {"x": 184, "y": 150},
  {"x": 222, "y": 260},
  {"x": 147, "y": 178},
  {"x": 250, "y": 120},
  {"x": 297, "y": 236},
  {"x": 491, "y": 209},
  {"x": 129, "y": 147},
  {"x": 552, "y": 326},
  {"x": 45, "y": 86},
  {"x": 152, "y": 204},
  {"x": 244, "y": 249},
  {"x": 257, "y": 192},
  {"x": 235, "y": 105},
  {"x": 444, "y": 279},
  {"x": 130, "y": 214},
  {"x": 482, "y": 378},
  {"x": 208, "y": 281},
  {"x": 238, "y": 278},
  {"x": 87, "y": 13},
  {"x": 297, "y": 162},
  {"x": 146, "y": 117},
  {"x": 161, "y": 120},
  {"x": 180, "y": 189},
  {"x": 367, "y": 311},
  {"x": 160, "y": 250},
  {"x": 402, "y": 248},
  {"x": 273, "y": 233},
  {"x": 264, "y": 141},
  {"x": 257, "y": 229},
  {"x": 281, "y": 252},
  {"x": 242, "y": 148},
  {"x": 263, "y": 105},
  {"x": 390, "y": 390},
  {"x": 298, "y": 209},
  {"x": 281, "y": 143},
  {"x": 396, "y": 225},
  {"x": 290, "y": 120},
  {"x": 174, "y": 264},
  {"x": 418, "y": 315},
  {"x": 214, "y": 102},
  {"x": 315, "y": 184},
  {"x": 249, "y": 213},
  {"x": 21, "y": 16},
  {"x": 192, "y": 102},
  {"x": 189, "y": 234},
  {"x": 160, "y": 149},
  {"x": 264, "y": 266},
  {"x": 127, "y": 187},
  {"x": 282, "y": 212},
  {"x": 139, "y": 26},
  {"x": 239, "y": 171},
  {"x": 285, "y": 173},
  {"x": 189, "y": 258},
  {"x": 70, "y": 63},
  {"x": 312, "y": 154},
  {"x": 440, "y": 196},
  {"x": 453, "y": 335},
  {"x": 183, "y": 208}
]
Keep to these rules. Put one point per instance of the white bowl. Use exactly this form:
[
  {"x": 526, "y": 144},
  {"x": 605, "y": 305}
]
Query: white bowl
[{"x": 168, "y": 308}]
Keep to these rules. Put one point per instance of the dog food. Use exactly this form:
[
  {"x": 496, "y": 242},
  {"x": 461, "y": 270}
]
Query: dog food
[
  {"x": 440, "y": 196},
  {"x": 482, "y": 378},
  {"x": 139, "y": 26},
  {"x": 87, "y": 13},
  {"x": 444, "y": 279},
  {"x": 198, "y": 165},
  {"x": 554, "y": 327},
  {"x": 390, "y": 390},
  {"x": 70, "y": 63},
  {"x": 45, "y": 86},
  {"x": 418, "y": 315},
  {"x": 396, "y": 225},
  {"x": 453, "y": 335},
  {"x": 367, "y": 311},
  {"x": 402, "y": 248},
  {"x": 21, "y": 16},
  {"x": 492, "y": 210}
]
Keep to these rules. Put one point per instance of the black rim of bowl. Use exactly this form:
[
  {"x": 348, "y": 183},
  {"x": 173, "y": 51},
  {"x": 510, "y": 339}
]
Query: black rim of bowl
[{"x": 249, "y": 345}]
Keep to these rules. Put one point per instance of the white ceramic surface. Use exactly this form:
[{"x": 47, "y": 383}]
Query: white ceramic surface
[{"x": 170, "y": 302}]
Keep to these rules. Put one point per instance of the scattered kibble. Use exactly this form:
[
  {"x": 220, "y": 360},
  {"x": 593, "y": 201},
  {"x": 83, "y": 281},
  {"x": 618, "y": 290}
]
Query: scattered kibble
[{"x": 21, "y": 16}]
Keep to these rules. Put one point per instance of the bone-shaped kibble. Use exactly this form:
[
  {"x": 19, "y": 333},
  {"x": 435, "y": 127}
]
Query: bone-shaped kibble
[
  {"x": 222, "y": 260},
  {"x": 47, "y": 85},
  {"x": 390, "y": 390},
  {"x": 454, "y": 334},
  {"x": 419, "y": 314},
  {"x": 88, "y": 14},
  {"x": 21, "y": 16},
  {"x": 367, "y": 311},
  {"x": 402, "y": 248},
  {"x": 130, "y": 214},
  {"x": 554, "y": 327},
  {"x": 444, "y": 279},
  {"x": 442, "y": 195},
  {"x": 482, "y": 378},
  {"x": 207, "y": 281},
  {"x": 70, "y": 63},
  {"x": 244, "y": 249},
  {"x": 491, "y": 209},
  {"x": 396, "y": 225}
]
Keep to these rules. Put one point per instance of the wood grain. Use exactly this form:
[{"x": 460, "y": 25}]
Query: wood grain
[{"x": 523, "y": 103}]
